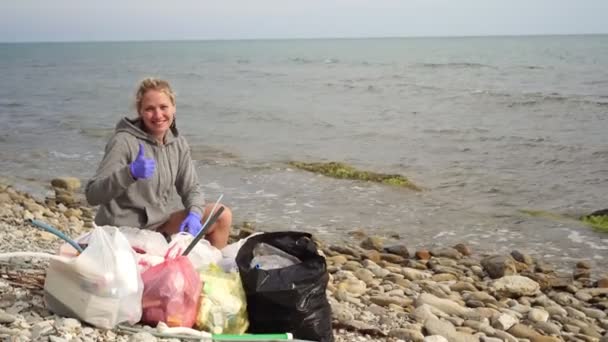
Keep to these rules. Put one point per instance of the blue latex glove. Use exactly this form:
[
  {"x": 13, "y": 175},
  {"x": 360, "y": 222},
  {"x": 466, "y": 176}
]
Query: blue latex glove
[
  {"x": 191, "y": 224},
  {"x": 142, "y": 167}
]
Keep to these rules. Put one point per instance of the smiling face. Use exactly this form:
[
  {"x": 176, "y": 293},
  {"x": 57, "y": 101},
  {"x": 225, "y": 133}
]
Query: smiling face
[{"x": 157, "y": 111}]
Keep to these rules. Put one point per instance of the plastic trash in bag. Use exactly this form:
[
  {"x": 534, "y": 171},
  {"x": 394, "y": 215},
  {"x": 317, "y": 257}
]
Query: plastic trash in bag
[
  {"x": 267, "y": 257},
  {"x": 171, "y": 292},
  {"x": 101, "y": 286},
  {"x": 146, "y": 241},
  {"x": 228, "y": 262},
  {"x": 289, "y": 299},
  {"x": 202, "y": 255},
  {"x": 152, "y": 246},
  {"x": 223, "y": 306}
]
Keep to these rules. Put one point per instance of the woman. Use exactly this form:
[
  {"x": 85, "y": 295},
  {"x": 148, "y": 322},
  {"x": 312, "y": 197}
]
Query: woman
[{"x": 144, "y": 161}]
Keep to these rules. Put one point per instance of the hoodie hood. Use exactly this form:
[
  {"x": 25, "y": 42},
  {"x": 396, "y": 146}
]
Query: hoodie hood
[{"x": 135, "y": 127}]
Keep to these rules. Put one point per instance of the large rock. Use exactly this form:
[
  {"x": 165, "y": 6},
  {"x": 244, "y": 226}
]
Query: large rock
[
  {"x": 499, "y": 266},
  {"x": 67, "y": 183},
  {"x": 515, "y": 286},
  {"x": 372, "y": 242},
  {"x": 445, "y": 305},
  {"x": 400, "y": 250},
  {"x": 447, "y": 330}
]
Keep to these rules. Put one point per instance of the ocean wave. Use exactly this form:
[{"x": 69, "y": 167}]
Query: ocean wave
[
  {"x": 600, "y": 154},
  {"x": 61, "y": 155},
  {"x": 597, "y": 82},
  {"x": 532, "y": 67},
  {"x": 301, "y": 60},
  {"x": 459, "y": 65},
  {"x": 11, "y": 104}
]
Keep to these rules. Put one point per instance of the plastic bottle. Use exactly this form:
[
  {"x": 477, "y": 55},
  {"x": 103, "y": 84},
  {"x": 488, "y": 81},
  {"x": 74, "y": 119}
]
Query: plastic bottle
[{"x": 268, "y": 257}]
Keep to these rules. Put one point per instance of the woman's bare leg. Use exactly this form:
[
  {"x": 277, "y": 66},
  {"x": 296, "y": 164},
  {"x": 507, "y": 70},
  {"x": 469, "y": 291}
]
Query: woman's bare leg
[{"x": 217, "y": 234}]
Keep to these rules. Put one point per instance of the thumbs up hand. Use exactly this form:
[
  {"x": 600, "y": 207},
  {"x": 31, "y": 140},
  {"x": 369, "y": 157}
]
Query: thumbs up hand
[{"x": 142, "y": 167}]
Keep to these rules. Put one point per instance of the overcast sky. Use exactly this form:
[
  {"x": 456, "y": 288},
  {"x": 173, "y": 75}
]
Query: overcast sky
[{"x": 85, "y": 20}]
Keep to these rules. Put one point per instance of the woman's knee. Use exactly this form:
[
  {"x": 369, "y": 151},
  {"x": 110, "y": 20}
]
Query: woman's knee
[{"x": 224, "y": 221}]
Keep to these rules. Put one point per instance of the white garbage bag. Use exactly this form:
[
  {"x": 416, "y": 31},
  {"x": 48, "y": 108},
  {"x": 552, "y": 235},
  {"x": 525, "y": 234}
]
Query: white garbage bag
[{"x": 101, "y": 286}]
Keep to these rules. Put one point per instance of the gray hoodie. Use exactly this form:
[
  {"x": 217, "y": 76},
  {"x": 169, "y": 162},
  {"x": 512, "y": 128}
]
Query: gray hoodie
[{"x": 143, "y": 203}]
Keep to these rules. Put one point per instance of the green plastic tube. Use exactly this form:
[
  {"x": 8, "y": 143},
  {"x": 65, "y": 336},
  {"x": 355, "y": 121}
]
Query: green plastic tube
[{"x": 252, "y": 337}]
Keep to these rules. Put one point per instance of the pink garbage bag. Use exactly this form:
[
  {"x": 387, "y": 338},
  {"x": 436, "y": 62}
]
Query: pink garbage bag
[{"x": 171, "y": 292}]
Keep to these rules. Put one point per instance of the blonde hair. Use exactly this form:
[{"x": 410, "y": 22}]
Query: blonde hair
[{"x": 153, "y": 84}]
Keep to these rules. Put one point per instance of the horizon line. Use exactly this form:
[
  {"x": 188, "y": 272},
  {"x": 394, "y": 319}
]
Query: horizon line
[{"x": 300, "y": 38}]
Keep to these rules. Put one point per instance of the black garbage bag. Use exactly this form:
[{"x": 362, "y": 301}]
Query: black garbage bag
[{"x": 288, "y": 299}]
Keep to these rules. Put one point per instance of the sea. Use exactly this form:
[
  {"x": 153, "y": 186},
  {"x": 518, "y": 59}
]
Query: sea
[{"x": 492, "y": 128}]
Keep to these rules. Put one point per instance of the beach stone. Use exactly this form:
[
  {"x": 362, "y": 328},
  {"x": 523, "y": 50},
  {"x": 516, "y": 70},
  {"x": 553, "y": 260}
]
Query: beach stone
[
  {"x": 586, "y": 264},
  {"x": 480, "y": 326},
  {"x": 346, "y": 250},
  {"x": 462, "y": 286},
  {"x": 555, "y": 310},
  {"x": 372, "y": 255},
  {"x": 505, "y": 336},
  {"x": 5, "y": 198},
  {"x": 445, "y": 305},
  {"x": 337, "y": 260},
  {"x": 447, "y": 330},
  {"x": 372, "y": 242},
  {"x": 547, "y": 327},
  {"x": 342, "y": 313},
  {"x": 594, "y": 313},
  {"x": 603, "y": 282},
  {"x": 364, "y": 328},
  {"x": 65, "y": 197},
  {"x": 565, "y": 299},
  {"x": 67, "y": 183},
  {"x": 558, "y": 282},
  {"x": 522, "y": 331},
  {"x": 435, "y": 338},
  {"x": 542, "y": 338},
  {"x": 580, "y": 273},
  {"x": 393, "y": 258},
  {"x": 6, "y": 318},
  {"x": 351, "y": 265},
  {"x": 521, "y": 257},
  {"x": 380, "y": 272},
  {"x": 67, "y": 324},
  {"x": 358, "y": 234},
  {"x": 446, "y": 252},
  {"x": 424, "y": 312},
  {"x": 365, "y": 275},
  {"x": 57, "y": 339},
  {"x": 590, "y": 331},
  {"x": 142, "y": 337},
  {"x": 498, "y": 266},
  {"x": 504, "y": 322},
  {"x": 444, "y": 277},
  {"x": 543, "y": 267},
  {"x": 354, "y": 287},
  {"x": 422, "y": 254},
  {"x": 387, "y": 300},
  {"x": 400, "y": 250},
  {"x": 538, "y": 315},
  {"x": 515, "y": 286},
  {"x": 407, "y": 334},
  {"x": 42, "y": 329},
  {"x": 463, "y": 249},
  {"x": 572, "y": 328},
  {"x": 479, "y": 296},
  {"x": 489, "y": 339},
  {"x": 414, "y": 274}
]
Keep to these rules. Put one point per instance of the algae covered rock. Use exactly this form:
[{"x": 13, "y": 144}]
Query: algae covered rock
[{"x": 344, "y": 171}]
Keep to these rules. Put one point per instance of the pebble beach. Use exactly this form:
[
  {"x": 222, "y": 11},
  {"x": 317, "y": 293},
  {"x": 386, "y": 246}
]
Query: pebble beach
[{"x": 379, "y": 289}]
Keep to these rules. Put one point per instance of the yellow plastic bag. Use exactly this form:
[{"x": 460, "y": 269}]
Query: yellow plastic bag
[{"x": 223, "y": 305}]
